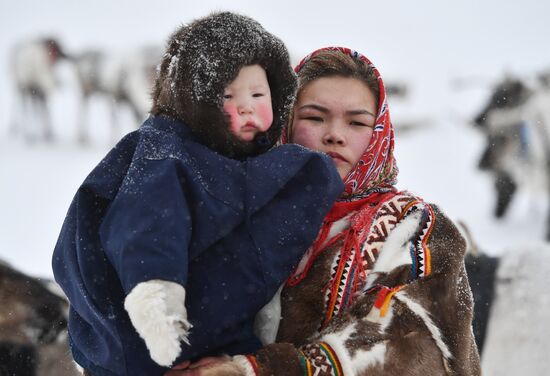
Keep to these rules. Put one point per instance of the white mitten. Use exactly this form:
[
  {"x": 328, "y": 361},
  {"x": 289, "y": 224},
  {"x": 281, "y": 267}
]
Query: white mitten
[{"x": 157, "y": 311}]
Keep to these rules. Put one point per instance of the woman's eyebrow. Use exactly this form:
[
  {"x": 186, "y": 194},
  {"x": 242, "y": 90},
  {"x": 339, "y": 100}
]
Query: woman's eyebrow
[{"x": 360, "y": 112}]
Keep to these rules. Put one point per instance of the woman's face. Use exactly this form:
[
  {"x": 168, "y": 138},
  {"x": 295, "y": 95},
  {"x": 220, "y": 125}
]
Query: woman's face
[{"x": 335, "y": 115}]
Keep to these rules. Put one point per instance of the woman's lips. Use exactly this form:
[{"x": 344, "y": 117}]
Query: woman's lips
[{"x": 337, "y": 156}]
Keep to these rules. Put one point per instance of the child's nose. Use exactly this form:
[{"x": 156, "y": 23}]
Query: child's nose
[
  {"x": 245, "y": 107},
  {"x": 245, "y": 110}
]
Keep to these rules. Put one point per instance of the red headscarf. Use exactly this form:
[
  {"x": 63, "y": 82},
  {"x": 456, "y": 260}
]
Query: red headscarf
[
  {"x": 369, "y": 183},
  {"x": 376, "y": 169}
]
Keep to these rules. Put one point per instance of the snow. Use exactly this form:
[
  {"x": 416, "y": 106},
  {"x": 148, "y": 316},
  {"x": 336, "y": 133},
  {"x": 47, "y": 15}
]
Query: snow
[
  {"x": 519, "y": 323},
  {"x": 430, "y": 45}
]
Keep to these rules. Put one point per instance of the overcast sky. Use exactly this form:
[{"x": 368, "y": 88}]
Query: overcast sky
[
  {"x": 401, "y": 36},
  {"x": 428, "y": 43}
]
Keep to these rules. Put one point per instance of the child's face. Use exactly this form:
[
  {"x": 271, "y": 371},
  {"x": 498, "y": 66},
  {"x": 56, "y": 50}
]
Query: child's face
[{"x": 247, "y": 100}]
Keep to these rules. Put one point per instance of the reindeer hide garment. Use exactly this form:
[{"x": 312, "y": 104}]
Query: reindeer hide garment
[
  {"x": 397, "y": 304},
  {"x": 383, "y": 289}
]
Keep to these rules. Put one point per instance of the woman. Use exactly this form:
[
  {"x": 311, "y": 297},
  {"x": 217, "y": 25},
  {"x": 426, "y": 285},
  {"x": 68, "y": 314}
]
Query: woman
[{"x": 382, "y": 291}]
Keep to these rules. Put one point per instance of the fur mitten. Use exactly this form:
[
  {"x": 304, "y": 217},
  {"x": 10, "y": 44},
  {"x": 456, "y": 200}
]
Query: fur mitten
[{"x": 157, "y": 311}]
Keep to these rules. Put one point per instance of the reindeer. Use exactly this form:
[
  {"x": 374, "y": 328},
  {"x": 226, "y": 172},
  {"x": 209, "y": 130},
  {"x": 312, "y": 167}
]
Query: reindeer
[
  {"x": 33, "y": 68},
  {"x": 123, "y": 80},
  {"x": 516, "y": 122},
  {"x": 33, "y": 327}
]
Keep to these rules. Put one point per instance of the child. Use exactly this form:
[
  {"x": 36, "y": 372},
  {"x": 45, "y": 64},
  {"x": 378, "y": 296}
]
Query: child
[{"x": 190, "y": 222}]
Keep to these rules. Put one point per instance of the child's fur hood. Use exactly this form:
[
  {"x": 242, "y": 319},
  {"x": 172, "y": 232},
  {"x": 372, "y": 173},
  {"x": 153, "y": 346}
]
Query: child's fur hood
[{"x": 201, "y": 59}]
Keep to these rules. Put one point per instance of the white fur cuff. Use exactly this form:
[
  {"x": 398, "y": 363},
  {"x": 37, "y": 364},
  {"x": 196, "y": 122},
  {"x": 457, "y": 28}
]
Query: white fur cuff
[{"x": 157, "y": 311}]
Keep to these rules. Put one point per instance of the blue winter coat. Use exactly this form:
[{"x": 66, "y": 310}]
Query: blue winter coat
[{"x": 161, "y": 205}]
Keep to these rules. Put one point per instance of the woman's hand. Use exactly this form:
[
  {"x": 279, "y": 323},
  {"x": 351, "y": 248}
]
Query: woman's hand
[{"x": 209, "y": 366}]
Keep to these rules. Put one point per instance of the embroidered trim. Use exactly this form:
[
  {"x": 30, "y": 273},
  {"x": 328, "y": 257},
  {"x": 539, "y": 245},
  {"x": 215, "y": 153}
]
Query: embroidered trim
[
  {"x": 420, "y": 252},
  {"x": 320, "y": 360},
  {"x": 349, "y": 271},
  {"x": 331, "y": 356},
  {"x": 305, "y": 363}
]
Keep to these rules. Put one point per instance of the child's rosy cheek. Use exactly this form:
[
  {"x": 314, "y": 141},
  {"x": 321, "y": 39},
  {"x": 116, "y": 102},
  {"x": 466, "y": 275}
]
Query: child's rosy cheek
[
  {"x": 231, "y": 110},
  {"x": 266, "y": 114}
]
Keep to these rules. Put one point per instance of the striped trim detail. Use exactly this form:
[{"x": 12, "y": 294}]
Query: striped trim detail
[
  {"x": 333, "y": 359},
  {"x": 421, "y": 255},
  {"x": 305, "y": 363},
  {"x": 320, "y": 359}
]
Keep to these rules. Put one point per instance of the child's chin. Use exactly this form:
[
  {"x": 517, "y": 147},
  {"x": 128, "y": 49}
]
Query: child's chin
[{"x": 246, "y": 137}]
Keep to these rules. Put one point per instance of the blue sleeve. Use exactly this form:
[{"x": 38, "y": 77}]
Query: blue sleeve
[
  {"x": 289, "y": 191},
  {"x": 146, "y": 230}
]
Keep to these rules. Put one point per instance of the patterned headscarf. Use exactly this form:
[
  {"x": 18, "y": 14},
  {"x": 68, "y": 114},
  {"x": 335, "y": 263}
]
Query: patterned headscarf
[
  {"x": 369, "y": 184},
  {"x": 376, "y": 169}
]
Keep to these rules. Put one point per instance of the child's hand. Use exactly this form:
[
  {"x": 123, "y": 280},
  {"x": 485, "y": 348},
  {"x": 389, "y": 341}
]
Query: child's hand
[{"x": 157, "y": 311}]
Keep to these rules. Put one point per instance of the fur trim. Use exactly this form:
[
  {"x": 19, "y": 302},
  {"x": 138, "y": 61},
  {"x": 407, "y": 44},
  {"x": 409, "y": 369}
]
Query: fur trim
[
  {"x": 201, "y": 59},
  {"x": 267, "y": 320},
  {"x": 79, "y": 369},
  {"x": 157, "y": 311}
]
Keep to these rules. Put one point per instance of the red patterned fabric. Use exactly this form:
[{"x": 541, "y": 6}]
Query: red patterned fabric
[{"x": 369, "y": 183}]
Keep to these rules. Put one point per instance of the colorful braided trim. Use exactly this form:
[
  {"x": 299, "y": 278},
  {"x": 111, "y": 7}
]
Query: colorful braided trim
[
  {"x": 305, "y": 363},
  {"x": 331, "y": 355},
  {"x": 320, "y": 360}
]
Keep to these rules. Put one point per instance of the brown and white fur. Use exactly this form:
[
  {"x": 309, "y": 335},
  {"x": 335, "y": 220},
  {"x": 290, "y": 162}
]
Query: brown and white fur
[
  {"x": 33, "y": 326},
  {"x": 426, "y": 329}
]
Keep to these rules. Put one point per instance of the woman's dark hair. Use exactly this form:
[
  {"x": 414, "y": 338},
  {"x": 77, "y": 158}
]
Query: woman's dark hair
[{"x": 331, "y": 63}]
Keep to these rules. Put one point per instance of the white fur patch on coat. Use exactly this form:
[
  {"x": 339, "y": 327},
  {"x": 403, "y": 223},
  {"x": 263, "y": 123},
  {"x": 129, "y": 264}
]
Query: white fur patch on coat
[
  {"x": 425, "y": 316},
  {"x": 361, "y": 359},
  {"x": 366, "y": 359},
  {"x": 336, "y": 341},
  {"x": 268, "y": 318},
  {"x": 395, "y": 251},
  {"x": 157, "y": 311}
]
